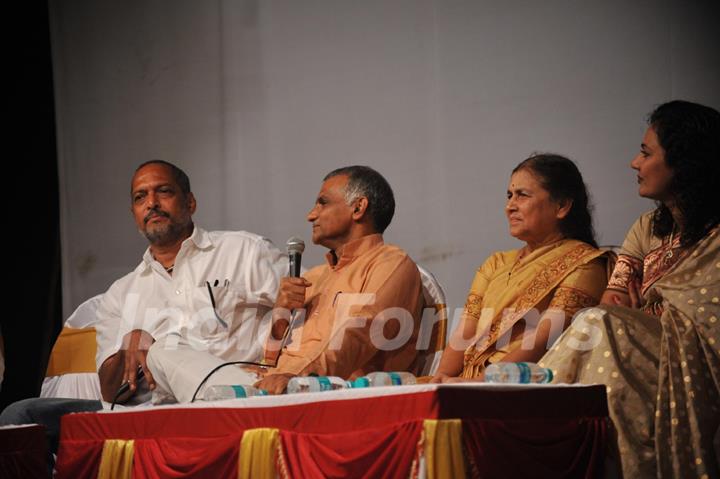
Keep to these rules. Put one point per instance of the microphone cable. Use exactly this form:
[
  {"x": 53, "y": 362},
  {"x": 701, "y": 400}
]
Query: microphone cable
[
  {"x": 220, "y": 366},
  {"x": 283, "y": 341},
  {"x": 125, "y": 387}
]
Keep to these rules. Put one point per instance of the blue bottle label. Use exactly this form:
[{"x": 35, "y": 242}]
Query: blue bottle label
[
  {"x": 524, "y": 372},
  {"x": 361, "y": 382},
  {"x": 239, "y": 391},
  {"x": 395, "y": 379},
  {"x": 325, "y": 384}
]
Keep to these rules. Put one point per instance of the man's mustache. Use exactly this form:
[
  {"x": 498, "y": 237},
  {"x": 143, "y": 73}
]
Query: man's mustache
[{"x": 153, "y": 213}]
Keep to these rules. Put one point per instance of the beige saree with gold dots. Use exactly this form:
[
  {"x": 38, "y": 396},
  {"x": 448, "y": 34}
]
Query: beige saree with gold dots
[{"x": 662, "y": 371}]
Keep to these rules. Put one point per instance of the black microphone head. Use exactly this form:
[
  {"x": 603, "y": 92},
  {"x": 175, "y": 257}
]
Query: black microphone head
[{"x": 295, "y": 245}]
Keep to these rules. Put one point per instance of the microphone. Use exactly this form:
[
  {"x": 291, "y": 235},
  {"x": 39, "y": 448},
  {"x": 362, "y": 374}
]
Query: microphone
[{"x": 295, "y": 248}]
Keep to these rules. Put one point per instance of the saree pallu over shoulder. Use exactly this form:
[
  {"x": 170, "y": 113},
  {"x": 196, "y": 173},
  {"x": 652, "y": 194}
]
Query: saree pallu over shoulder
[
  {"x": 513, "y": 289},
  {"x": 662, "y": 373}
]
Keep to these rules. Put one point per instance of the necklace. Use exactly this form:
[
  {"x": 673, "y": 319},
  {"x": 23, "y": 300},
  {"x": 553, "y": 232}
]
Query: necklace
[
  {"x": 520, "y": 256},
  {"x": 169, "y": 269}
]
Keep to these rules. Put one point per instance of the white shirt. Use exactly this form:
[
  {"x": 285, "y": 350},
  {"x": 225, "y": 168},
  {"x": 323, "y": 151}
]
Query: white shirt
[{"x": 243, "y": 271}]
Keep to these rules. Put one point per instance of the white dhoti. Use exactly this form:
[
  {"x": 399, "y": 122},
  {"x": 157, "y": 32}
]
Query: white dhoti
[{"x": 178, "y": 369}]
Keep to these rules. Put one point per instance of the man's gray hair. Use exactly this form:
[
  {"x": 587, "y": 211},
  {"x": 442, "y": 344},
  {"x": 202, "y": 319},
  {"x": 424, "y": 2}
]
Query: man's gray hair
[{"x": 364, "y": 181}]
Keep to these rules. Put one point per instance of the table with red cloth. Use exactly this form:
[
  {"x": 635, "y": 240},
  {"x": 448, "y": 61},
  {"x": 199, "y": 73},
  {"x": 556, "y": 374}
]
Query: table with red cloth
[{"x": 429, "y": 430}]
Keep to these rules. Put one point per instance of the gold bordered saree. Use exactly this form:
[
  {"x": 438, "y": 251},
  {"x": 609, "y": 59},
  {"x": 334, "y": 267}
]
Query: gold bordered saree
[
  {"x": 662, "y": 371},
  {"x": 564, "y": 277}
]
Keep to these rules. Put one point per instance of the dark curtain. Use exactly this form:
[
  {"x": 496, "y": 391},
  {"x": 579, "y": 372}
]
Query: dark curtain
[{"x": 32, "y": 317}]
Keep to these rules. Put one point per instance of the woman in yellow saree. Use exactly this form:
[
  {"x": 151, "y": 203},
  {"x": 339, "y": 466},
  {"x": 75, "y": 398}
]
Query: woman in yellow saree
[
  {"x": 556, "y": 273},
  {"x": 654, "y": 342}
]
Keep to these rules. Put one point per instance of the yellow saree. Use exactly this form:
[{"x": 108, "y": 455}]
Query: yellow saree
[
  {"x": 564, "y": 277},
  {"x": 662, "y": 371}
]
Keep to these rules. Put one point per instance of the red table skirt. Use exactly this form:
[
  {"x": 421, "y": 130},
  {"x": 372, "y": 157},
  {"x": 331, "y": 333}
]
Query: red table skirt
[{"x": 522, "y": 432}]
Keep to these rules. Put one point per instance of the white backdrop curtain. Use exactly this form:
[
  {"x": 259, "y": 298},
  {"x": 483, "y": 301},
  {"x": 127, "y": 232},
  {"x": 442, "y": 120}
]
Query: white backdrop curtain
[{"x": 258, "y": 99}]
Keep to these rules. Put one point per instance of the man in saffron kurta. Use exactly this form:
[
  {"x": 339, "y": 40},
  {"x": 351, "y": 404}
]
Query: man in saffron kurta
[{"x": 363, "y": 306}]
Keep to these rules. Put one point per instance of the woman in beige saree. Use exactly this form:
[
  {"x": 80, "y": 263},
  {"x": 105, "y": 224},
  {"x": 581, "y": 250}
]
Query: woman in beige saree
[
  {"x": 654, "y": 342},
  {"x": 556, "y": 273}
]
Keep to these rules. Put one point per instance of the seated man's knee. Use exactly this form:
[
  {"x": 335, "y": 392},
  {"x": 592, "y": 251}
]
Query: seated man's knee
[
  {"x": 45, "y": 410},
  {"x": 152, "y": 359},
  {"x": 157, "y": 354},
  {"x": 19, "y": 412}
]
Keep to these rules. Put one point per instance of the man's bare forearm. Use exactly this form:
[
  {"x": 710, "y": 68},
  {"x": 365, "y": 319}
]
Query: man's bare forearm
[{"x": 111, "y": 373}]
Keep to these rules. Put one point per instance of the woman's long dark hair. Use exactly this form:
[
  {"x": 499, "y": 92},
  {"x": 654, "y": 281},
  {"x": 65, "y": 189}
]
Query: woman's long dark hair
[
  {"x": 689, "y": 134},
  {"x": 562, "y": 179}
]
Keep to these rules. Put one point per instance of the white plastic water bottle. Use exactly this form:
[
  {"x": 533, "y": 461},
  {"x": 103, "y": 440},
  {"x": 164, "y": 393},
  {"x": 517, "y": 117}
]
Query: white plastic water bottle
[
  {"x": 517, "y": 373},
  {"x": 380, "y": 378},
  {"x": 225, "y": 391},
  {"x": 312, "y": 384}
]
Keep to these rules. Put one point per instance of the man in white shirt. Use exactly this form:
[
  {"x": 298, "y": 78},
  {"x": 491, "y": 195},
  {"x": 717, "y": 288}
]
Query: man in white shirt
[
  {"x": 208, "y": 291},
  {"x": 194, "y": 289}
]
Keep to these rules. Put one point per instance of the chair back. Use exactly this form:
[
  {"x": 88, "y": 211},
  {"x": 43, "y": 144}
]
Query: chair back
[
  {"x": 71, "y": 369},
  {"x": 84, "y": 315},
  {"x": 432, "y": 336}
]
